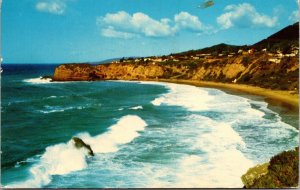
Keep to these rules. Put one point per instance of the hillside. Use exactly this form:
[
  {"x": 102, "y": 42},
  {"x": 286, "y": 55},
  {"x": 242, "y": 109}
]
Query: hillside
[
  {"x": 283, "y": 40},
  {"x": 288, "y": 36},
  {"x": 215, "y": 49},
  {"x": 289, "y": 33},
  {"x": 275, "y": 68}
]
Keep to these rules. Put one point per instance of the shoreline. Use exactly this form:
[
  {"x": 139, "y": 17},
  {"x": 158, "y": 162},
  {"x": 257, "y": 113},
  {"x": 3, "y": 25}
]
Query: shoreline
[
  {"x": 285, "y": 103},
  {"x": 282, "y": 102},
  {"x": 288, "y": 100},
  {"x": 282, "y": 98}
]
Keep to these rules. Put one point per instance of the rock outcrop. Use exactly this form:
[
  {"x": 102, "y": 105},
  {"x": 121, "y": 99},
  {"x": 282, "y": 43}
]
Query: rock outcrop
[
  {"x": 74, "y": 72},
  {"x": 257, "y": 69},
  {"x": 281, "y": 172},
  {"x": 80, "y": 144}
]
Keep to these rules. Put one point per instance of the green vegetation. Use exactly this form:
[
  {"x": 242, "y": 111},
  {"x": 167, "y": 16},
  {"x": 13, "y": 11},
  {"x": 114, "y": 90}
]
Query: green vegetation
[
  {"x": 281, "y": 172},
  {"x": 214, "y": 50},
  {"x": 246, "y": 61},
  {"x": 192, "y": 65},
  {"x": 254, "y": 173},
  {"x": 282, "y": 40}
]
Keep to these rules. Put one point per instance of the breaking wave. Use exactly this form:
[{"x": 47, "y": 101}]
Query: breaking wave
[
  {"x": 61, "y": 159},
  {"x": 39, "y": 80}
]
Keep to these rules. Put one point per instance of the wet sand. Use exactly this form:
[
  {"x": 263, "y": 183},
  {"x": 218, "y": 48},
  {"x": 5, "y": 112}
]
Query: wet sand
[{"x": 285, "y": 103}]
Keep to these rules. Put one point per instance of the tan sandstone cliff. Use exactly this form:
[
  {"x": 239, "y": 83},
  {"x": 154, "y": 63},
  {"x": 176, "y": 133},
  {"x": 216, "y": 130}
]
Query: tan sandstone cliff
[{"x": 257, "y": 69}]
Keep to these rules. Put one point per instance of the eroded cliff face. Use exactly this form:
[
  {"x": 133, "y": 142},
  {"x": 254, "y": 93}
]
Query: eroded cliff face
[
  {"x": 73, "y": 72},
  {"x": 257, "y": 70}
]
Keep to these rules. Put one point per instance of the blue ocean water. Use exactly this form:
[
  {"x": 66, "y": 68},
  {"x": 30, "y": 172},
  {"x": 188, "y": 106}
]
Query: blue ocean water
[{"x": 144, "y": 134}]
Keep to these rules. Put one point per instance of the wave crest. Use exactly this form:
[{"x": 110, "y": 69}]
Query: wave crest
[{"x": 64, "y": 158}]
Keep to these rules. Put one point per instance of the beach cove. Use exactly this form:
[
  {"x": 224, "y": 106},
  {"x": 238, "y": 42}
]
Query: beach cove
[
  {"x": 176, "y": 134},
  {"x": 284, "y": 102}
]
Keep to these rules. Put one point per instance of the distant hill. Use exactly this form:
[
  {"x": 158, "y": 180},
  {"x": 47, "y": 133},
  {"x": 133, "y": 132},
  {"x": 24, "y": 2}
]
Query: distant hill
[
  {"x": 104, "y": 61},
  {"x": 283, "y": 40},
  {"x": 110, "y": 60},
  {"x": 288, "y": 33},
  {"x": 216, "y": 49}
]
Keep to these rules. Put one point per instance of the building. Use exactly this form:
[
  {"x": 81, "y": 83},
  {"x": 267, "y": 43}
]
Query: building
[
  {"x": 290, "y": 55},
  {"x": 274, "y": 60},
  {"x": 295, "y": 50},
  {"x": 157, "y": 60},
  {"x": 240, "y": 51},
  {"x": 251, "y": 51}
]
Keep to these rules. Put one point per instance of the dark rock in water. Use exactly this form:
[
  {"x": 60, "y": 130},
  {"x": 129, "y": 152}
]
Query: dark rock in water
[
  {"x": 79, "y": 144},
  {"x": 46, "y": 77}
]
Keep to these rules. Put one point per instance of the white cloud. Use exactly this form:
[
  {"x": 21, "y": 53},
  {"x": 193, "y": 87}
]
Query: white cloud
[
  {"x": 138, "y": 23},
  {"x": 124, "y": 25},
  {"x": 110, "y": 32},
  {"x": 54, "y": 7},
  {"x": 294, "y": 17},
  {"x": 244, "y": 15},
  {"x": 184, "y": 20}
]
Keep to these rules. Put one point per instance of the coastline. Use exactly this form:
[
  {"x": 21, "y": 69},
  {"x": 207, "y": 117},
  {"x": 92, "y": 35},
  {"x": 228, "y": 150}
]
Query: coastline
[
  {"x": 284, "y": 103},
  {"x": 289, "y": 100}
]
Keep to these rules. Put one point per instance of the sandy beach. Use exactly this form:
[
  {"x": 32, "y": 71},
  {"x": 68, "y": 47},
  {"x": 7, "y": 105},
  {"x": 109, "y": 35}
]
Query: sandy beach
[
  {"x": 285, "y": 98},
  {"x": 286, "y": 103}
]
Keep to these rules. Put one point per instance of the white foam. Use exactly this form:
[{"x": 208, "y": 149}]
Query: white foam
[
  {"x": 28, "y": 160},
  {"x": 123, "y": 81},
  {"x": 39, "y": 80},
  {"x": 155, "y": 83},
  {"x": 210, "y": 156},
  {"x": 53, "y": 97},
  {"x": 64, "y": 158},
  {"x": 58, "y": 159},
  {"x": 136, "y": 108},
  {"x": 223, "y": 143},
  {"x": 123, "y": 132},
  {"x": 54, "y": 109},
  {"x": 223, "y": 163},
  {"x": 158, "y": 101},
  {"x": 190, "y": 97},
  {"x": 199, "y": 99},
  {"x": 254, "y": 112}
]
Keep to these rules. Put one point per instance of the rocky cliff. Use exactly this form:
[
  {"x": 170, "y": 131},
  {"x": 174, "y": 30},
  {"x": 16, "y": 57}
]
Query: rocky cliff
[{"x": 259, "y": 69}]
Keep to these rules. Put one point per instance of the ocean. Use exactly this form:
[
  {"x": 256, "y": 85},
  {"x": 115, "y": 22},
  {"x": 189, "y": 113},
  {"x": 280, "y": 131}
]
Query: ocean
[{"x": 143, "y": 134}]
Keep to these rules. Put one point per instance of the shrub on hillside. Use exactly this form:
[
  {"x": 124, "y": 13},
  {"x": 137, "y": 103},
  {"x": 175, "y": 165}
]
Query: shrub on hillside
[{"x": 282, "y": 172}]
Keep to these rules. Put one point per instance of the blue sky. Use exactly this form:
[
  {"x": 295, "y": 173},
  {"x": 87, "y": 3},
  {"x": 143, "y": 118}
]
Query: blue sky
[{"x": 62, "y": 31}]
